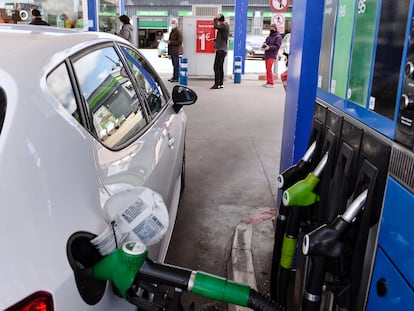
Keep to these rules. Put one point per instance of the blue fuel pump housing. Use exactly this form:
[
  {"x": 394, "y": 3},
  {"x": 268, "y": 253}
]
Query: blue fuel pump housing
[{"x": 363, "y": 113}]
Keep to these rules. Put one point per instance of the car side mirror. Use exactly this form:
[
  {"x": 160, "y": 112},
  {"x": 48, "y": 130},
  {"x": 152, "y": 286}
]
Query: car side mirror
[{"x": 182, "y": 95}]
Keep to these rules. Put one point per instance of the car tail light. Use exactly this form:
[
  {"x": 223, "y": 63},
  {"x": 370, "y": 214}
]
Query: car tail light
[{"x": 39, "y": 301}]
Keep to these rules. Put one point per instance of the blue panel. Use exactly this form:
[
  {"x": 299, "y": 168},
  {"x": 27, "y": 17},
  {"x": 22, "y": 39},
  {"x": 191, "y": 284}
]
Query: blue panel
[
  {"x": 122, "y": 7},
  {"x": 399, "y": 295},
  {"x": 302, "y": 81},
  {"x": 240, "y": 24},
  {"x": 396, "y": 235},
  {"x": 92, "y": 15},
  {"x": 370, "y": 118}
]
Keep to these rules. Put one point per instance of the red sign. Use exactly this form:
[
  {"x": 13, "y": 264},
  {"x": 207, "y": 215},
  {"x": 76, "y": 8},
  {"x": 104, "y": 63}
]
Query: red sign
[
  {"x": 205, "y": 36},
  {"x": 279, "y": 20},
  {"x": 279, "y": 5}
]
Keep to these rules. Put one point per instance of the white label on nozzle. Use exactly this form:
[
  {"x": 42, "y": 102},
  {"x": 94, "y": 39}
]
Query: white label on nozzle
[
  {"x": 133, "y": 248},
  {"x": 280, "y": 181},
  {"x": 285, "y": 198}
]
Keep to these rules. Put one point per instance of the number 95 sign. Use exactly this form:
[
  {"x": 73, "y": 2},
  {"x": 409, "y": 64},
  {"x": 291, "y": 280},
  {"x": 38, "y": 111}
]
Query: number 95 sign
[{"x": 205, "y": 36}]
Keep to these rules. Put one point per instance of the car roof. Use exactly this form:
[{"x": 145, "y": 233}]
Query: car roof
[{"x": 32, "y": 46}]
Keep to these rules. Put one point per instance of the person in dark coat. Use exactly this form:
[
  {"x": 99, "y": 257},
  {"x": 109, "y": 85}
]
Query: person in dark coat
[
  {"x": 220, "y": 45},
  {"x": 37, "y": 18},
  {"x": 271, "y": 47},
  {"x": 175, "y": 48}
]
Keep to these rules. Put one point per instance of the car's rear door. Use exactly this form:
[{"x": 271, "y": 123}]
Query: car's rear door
[{"x": 130, "y": 120}]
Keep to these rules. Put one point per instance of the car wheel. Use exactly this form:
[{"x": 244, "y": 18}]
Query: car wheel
[{"x": 183, "y": 173}]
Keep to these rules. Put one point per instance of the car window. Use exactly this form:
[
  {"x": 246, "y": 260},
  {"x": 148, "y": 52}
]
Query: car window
[
  {"x": 147, "y": 81},
  {"x": 60, "y": 86},
  {"x": 114, "y": 107}
]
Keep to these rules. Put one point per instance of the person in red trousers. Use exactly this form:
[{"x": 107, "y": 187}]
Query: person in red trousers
[{"x": 271, "y": 47}]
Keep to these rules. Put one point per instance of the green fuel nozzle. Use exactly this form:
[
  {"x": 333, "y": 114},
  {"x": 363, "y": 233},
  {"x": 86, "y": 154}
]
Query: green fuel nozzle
[
  {"x": 129, "y": 265},
  {"x": 301, "y": 193},
  {"x": 121, "y": 266}
]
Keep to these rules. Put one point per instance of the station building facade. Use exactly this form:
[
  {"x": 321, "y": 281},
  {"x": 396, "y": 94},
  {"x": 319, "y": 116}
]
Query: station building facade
[{"x": 151, "y": 16}]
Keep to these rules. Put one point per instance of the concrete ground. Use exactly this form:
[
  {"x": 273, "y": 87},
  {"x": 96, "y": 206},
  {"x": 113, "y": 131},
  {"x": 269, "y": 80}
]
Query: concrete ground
[{"x": 232, "y": 160}]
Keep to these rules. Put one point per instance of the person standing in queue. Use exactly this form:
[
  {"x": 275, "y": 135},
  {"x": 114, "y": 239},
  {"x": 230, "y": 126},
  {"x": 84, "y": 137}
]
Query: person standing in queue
[
  {"x": 175, "y": 48},
  {"x": 271, "y": 47},
  {"x": 220, "y": 45},
  {"x": 127, "y": 30},
  {"x": 37, "y": 18}
]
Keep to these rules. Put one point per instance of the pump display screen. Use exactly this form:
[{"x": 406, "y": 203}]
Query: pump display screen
[{"x": 388, "y": 57}]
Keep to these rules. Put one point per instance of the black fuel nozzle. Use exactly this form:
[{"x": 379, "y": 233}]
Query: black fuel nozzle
[
  {"x": 298, "y": 171},
  {"x": 326, "y": 239}
]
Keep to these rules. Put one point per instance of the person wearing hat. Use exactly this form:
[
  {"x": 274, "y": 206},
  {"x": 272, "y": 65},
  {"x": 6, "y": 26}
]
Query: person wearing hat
[
  {"x": 37, "y": 18},
  {"x": 271, "y": 47},
  {"x": 220, "y": 45}
]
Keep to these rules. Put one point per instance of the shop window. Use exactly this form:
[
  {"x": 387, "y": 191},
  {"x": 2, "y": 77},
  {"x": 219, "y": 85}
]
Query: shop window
[{"x": 62, "y": 13}]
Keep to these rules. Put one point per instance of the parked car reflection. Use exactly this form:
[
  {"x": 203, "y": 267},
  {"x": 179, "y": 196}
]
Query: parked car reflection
[
  {"x": 254, "y": 47},
  {"x": 162, "y": 48}
]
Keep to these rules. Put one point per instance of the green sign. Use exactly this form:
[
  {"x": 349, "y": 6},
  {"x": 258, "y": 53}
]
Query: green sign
[
  {"x": 342, "y": 49},
  {"x": 152, "y": 13},
  {"x": 153, "y": 24},
  {"x": 185, "y": 13},
  {"x": 362, "y": 51}
]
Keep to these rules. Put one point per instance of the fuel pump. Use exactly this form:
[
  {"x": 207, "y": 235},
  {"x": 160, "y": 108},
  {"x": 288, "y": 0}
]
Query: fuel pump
[
  {"x": 286, "y": 179},
  {"x": 296, "y": 198},
  {"x": 365, "y": 77},
  {"x": 326, "y": 241}
]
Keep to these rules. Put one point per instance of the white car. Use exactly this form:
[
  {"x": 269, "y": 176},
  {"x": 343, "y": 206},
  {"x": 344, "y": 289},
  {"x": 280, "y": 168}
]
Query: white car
[
  {"x": 284, "y": 49},
  {"x": 254, "y": 47},
  {"x": 83, "y": 116}
]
